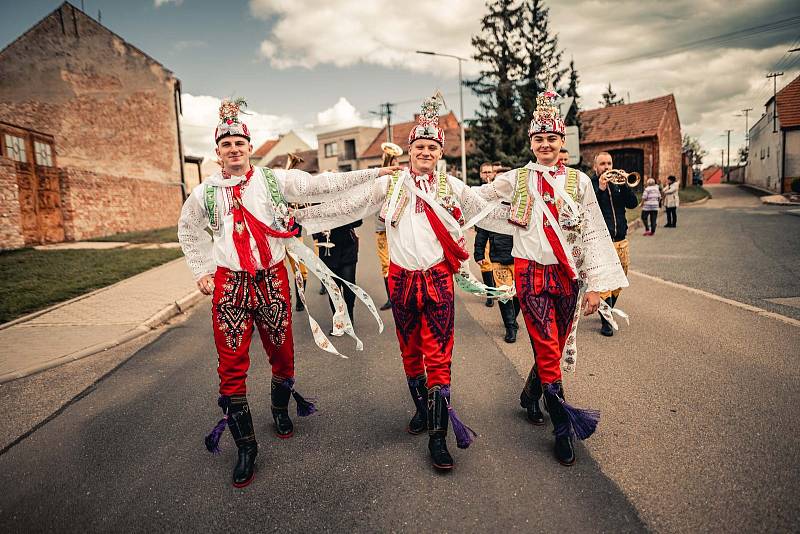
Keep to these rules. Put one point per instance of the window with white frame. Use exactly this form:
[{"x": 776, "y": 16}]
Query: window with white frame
[
  {"x": 43, "y": 153},
  {"x": 15, "y": 148},
  {"x": 330, "y": 150}
]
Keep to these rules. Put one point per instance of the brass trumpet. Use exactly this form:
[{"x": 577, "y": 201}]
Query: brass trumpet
[
  {"x": 620, "y": 177},
  {"x": 391, "y": 152},
  {"x": 292, "y": 161}
]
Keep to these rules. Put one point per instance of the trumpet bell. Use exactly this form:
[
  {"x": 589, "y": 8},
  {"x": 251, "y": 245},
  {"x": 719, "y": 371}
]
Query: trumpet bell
[
  {"x": 391, "y": 152},
  {"x": 292, "y": 161},
  {"x": 620, "y": 177}
]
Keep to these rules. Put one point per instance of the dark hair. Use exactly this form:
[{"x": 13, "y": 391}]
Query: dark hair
[
  {"x": 486, "y": 164},
  {"x": 671, "y": 178},
  {"x": 562, "y": 149}
]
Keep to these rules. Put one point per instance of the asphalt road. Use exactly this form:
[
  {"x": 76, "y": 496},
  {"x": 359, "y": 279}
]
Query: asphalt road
[
  {"x": 733, "y": 246},
  {"x": 700, "y": 430}
]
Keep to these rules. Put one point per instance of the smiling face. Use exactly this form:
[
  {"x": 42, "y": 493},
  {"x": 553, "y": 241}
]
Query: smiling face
[
  {"x": 234, "y": 153},
  {"x": 545, "y": 147},
  {"x": 424, "y": 154}
]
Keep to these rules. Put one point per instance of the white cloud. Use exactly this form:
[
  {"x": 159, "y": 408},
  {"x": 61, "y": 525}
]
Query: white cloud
[
  {"x": 159, "y": 3},
  {"x": 342, "y": 115},
  {"x": 307, "y": 33}
]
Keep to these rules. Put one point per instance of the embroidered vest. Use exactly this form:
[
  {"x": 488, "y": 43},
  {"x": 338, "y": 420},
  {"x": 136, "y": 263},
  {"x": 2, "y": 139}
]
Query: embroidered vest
[
  {"x": 444, "y": 197},
  {"x": 279, "y": 205},
  {"x": 522, "y": 200}
]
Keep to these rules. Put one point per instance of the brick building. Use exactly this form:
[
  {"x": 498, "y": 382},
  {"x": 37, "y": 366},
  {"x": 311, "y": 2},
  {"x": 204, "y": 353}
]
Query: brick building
[
  {"x": 642, "y": 136},
  {"x": 90, "y": 135}
]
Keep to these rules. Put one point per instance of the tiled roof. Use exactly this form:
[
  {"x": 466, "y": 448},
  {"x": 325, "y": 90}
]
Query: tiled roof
[
  {"x": 789, "y": 104},
  {"x": 310, "y": 162},
  {"x": 264, "y": 149},
  {"x": 626, "y": 121},
  {"x": 400, "y": 131}
]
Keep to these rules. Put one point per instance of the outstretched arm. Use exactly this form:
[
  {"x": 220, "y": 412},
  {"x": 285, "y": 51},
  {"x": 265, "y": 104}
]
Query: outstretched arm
[
  {"x": 299, "y": 186},
  {"x": 358, "y": 203}
]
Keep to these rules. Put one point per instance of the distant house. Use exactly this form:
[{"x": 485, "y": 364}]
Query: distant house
[
  {"x": 373, "y": 156},
  {"x": 774, "y": 157},
  {"x": 642, "y": 136},
  {"x": 90, "y": 134},
  {"x": 340, "y": 149},
  {"x": 712, "y": 174},
  {"x": 284, "y": 144}
]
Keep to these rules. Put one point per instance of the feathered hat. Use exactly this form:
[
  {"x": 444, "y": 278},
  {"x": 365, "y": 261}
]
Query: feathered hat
[
  {"x": 229, "y": 123},
  {"x": 547, "y": 116},
  {"x": 427, "y": 126}
]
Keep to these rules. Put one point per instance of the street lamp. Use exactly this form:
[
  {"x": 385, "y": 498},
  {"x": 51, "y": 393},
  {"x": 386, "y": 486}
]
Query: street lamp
[{"x": 461, "y": 108}]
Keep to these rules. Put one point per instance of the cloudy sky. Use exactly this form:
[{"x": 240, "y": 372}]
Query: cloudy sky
[{"x": 315, "y": 65}]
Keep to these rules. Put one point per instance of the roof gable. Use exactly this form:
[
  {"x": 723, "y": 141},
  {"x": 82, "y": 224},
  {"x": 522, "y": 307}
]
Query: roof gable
[
  {"x": 625, "y": 121},
  {"x": 789, "y": 104},
  {"x": 401, "y": 130}
]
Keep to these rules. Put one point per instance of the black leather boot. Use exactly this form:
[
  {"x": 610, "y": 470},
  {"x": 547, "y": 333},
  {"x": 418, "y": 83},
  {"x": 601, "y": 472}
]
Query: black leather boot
[
  {"x": 298, "y": 303},
  {"x": 240, "y": 424},
  {"x": 509, "y": 321},
  {"x": 606, "y": 328},
  {"x": 529, "y": 398},
  {"x": 563, "y": 449},
  {"x": 419, "y": 394},
  {"x": 488, "y": 279},
  {"x": 388, "y": 304},
  {"x": 437, "y": 430},
  {"x": 280, "y": 394}
]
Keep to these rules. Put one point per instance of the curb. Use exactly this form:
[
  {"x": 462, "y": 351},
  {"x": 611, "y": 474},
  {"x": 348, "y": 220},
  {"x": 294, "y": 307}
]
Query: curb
[
  {"x": 34, "y": 315},
  {"x": 165, "y": 314}
]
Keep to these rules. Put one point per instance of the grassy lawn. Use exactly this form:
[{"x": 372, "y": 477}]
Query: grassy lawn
[
  {"x": 160, "y": 235},
  {"x": 34, "y": 279},
  {"x": 693, "y": 193}
]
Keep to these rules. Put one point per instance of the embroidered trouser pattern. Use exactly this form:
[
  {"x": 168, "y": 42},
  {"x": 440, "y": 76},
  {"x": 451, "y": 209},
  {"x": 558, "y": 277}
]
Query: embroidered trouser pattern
[
  {"x": 239, "y": 301},
  {"x": 424, "y": 316},
  {"x": 623, "y": 252},
  {"x": 548, "y": 298}
]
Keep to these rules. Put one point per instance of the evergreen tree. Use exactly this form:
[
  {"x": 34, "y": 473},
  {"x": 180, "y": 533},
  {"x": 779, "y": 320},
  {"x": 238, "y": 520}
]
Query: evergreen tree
[
  {"x": 572, "y": 118},
  {"x": 496, "y": 130},
  {"x": 542, "y": 56},
  {"x": 610, "y": 98}
]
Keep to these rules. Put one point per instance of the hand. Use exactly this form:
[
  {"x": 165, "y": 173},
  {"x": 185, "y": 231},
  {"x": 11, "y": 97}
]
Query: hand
[
  {"x": 591, "y": 302},
  {"x": 603, "y": 181},
  {"x": 206, "y": 284},
  {"x": 389, "y": 170},
  {"x": 484, "y": 262}
]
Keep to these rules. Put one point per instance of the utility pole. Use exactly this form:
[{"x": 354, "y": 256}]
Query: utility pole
[
  {"x": 774, "y": 76},
  {"x": 728, "y": 165},
  {"x": 747, "y": 128},
  {"x": 386, "y": 111}
]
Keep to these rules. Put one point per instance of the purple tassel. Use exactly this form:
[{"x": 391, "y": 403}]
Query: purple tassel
[
  {"x": 460, "y": 430},
  {"x": 583, "y": 421},
  {"x": 304, "y": 407},
  {"x": 212, "y": 440}
]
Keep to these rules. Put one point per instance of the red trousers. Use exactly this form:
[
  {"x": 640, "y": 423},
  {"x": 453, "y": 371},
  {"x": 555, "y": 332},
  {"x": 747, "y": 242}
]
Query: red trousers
[
  {"x": 424, "y": 316},
  {"x": 547, "y": 298},
  {"x": 239, "y": 301}
]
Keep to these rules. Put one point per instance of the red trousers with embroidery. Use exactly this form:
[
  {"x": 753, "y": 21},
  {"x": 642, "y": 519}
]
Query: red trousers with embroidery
[
  {"x": 424, "y": 316},
  {"x": 239, "y": 301},
  {"x": 547, "y": 298}
]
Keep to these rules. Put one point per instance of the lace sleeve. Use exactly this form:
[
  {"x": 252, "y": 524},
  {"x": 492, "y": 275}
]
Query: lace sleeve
[
  {"x": 500, "y": 188},
  {"x": 358, "y": 203},
  {"x": 195, "y": 241},
  {"x": 603, "y": 270},
  {"x": 299, "y": 186}
]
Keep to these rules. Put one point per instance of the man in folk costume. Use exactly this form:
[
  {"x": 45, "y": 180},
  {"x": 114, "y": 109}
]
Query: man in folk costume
[
  {"x": 242, "y": 264},
  {"x": 425, "y": 212},
  {"x": 562, "y": 252}
]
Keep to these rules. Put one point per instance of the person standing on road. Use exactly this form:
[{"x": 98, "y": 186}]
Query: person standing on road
[
  {"x": 482, "y": 240},
  {"x": 425, "y": 213},
  {"x": 562, "y": 252},
  {"x": 671, "y": 202},
  {"x": 240, "y": 262},
  {"x": 613, "y": 200},
  {"x": 341, "y": 256},
  {"x": 651, "y": 202}
]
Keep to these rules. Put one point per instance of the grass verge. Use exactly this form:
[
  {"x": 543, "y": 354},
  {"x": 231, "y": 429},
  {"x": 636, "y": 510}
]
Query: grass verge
[
  {"x": 693, "y": 193},
  {"x": 159, "y": 235},
  {"x": 34, "y": 279}
]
